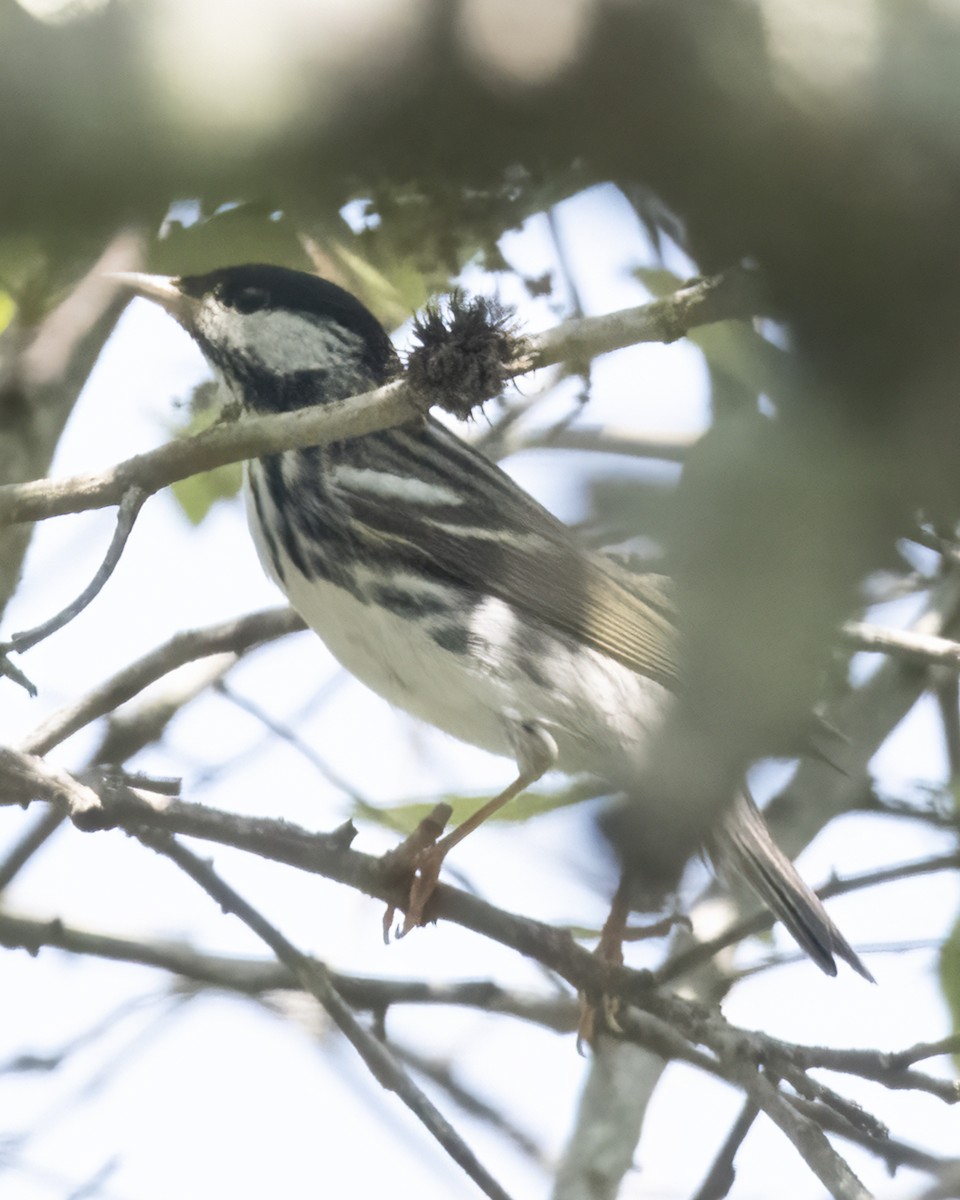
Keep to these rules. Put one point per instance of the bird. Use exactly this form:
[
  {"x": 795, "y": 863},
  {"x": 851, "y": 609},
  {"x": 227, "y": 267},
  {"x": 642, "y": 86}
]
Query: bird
[{"x": 444, "y": 586}]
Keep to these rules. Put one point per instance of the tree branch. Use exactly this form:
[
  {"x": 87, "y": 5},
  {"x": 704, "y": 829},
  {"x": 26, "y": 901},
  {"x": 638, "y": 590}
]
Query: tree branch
[
  {"x": 127, "y": 513},
  {"x": 701, "y": 302},
  {"x": 236, "y": 635},
  {"x": 315, "y": 978},
  {"x": 253, "y": 976}
]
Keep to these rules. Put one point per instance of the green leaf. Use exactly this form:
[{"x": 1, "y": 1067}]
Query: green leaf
[
  {"x": 8, "y": 307},
  {"x": 197, "y": 494},
  {"x": 406, "y": 816},
  {"x": 247, "y": 232}
]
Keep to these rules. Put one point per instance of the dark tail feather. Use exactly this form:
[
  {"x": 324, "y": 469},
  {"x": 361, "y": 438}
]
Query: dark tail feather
[{"x": 742, "y": 848}]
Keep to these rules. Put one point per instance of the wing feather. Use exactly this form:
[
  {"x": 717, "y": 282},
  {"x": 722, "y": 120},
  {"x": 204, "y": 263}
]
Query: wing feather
[{"x": 498, "y": 540}]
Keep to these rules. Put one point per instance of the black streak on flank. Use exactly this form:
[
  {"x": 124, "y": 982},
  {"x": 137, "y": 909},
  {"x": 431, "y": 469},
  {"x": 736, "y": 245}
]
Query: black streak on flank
[
  {"x": 265, "y": 527},
  {"x": 410, "y": 604},
  {"x": 455, "y": 639}
]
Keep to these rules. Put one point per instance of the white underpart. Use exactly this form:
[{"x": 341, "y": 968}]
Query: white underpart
[
  {"x": 600, "y": 714},
  {"x": 283, "y": 341},
  {"x": 394, "y": 487}
]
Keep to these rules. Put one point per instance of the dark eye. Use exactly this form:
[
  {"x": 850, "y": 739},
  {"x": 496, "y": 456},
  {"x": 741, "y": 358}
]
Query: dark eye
[{"x": 249, "y": 299}]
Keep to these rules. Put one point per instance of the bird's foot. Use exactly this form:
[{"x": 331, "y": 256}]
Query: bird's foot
[
  {"x": 416, "y": 862},
  {"x": 603, "y": 1017}
]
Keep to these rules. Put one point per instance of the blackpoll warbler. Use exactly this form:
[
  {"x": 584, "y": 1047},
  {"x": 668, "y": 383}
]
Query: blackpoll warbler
[{"x": 445, "y": 587}]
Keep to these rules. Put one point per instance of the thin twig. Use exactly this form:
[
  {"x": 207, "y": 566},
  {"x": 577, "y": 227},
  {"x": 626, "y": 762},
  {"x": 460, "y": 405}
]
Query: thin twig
[
  {"x": 689, "y": 960},
  {"x": 254, "y": 976},
  {"x": 286, "y": 734},
  {"x": 238, "y": 635},
  {"x": 127, "y": 513},
  {"x": 892, "y": 1152},
  {"x": 440, "y": 1074},
  {"x": 721, "y": 1175},
  {"x": 607, "y": 439},
  {"x": 314, "y": 977},
  {"x": 29, "y": 844}
]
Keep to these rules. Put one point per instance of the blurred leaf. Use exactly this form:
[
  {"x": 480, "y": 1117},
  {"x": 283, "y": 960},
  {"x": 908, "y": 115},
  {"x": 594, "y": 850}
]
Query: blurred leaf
[
  {"x": 7, "y": 309},
  {"x": 742, "y": 362},
  {"x": 249, "y": 232},
  {"x": 197, "y": 494},
  {"x": 406, "y": 816},
  {"x": 393, "y": 290},
  {"x": 950, "y": 977},
  {"x": 658, "y": 281},
  {"x": 22, "y": 258},
  {"x": 734, "y": 350}
]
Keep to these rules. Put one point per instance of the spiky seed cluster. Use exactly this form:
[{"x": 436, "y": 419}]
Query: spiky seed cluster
[{"x": 464, "y": 352}]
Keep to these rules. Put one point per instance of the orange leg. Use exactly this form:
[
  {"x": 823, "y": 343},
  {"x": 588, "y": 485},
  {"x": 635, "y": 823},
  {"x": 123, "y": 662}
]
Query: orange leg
[{"x": 536, "y": 753}]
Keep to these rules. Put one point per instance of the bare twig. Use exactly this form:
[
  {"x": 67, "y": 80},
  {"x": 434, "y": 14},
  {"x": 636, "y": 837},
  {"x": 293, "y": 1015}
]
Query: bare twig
[
  {"x": 695, "y": 956},
  {"x": 440, "y": 1074},
  {"x": 254, "y": 976},
  {"x": 893, "y": 1070},
  {"x": 721, "y": 1175},
  {"x": 604, "y": 439},
  {"x": 232, "y": 637},
  {"x": 27, "y": 777},
  {"x": 807, "y": 1136},
  {"x": 238, "y": 635},
  {"x": 127, "y": 513},
  {"x": 314, "y": 977},
  {"x": 286, "y": 734},
  {"x": 893, "y": 1152},
  {"x": 29, "y": 844}
]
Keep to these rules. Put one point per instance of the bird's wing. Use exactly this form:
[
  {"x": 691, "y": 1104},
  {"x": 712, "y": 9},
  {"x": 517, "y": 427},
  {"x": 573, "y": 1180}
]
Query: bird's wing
[{"x": 471, "y": 524}]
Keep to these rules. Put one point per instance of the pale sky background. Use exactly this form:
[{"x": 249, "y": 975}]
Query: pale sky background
[{"x": 215, "y": 1098}]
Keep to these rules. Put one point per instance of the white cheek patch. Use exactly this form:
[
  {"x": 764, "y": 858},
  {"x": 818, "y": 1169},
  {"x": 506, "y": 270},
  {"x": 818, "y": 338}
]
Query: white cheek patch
[{"x": 284, "y": 342}]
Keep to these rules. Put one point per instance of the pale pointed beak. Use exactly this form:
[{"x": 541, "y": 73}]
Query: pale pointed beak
[{"x": 161, "y": 289}]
